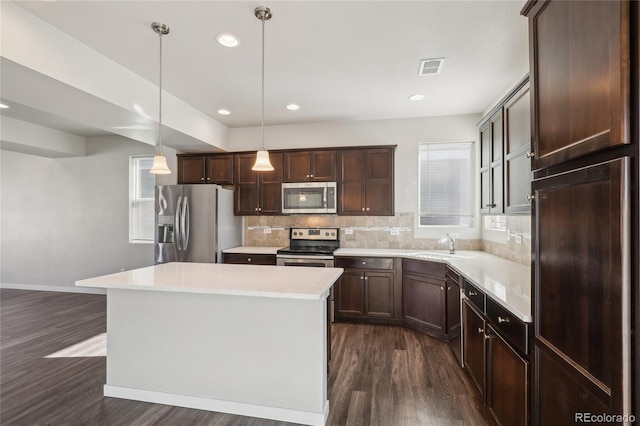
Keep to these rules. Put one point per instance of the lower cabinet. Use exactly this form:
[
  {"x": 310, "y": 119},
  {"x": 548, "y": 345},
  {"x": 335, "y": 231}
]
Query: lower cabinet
[
  {"x": 430, "y": 301},
  {"x": 495, "y": 354},
  {"x": 249, "y": 259},
  {"x": 366, "y": 289},
  {"x": 508, "y": 378}
]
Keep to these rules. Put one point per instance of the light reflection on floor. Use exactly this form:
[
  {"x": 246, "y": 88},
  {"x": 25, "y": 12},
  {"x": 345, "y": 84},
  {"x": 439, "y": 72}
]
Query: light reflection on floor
[{"x": 93, "y": 346}]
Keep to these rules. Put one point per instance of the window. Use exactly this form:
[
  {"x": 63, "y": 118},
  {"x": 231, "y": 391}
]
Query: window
[
  {"x": 446, "y": 184},
  {"x": 141, "y": 199}
]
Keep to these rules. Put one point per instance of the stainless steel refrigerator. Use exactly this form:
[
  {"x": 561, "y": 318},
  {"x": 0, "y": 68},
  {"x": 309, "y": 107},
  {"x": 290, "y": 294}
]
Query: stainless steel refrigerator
[{"x": 194, "y": 223}]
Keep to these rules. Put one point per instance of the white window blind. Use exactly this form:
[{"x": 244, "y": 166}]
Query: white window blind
[
  {"x": 446, "y": 184},
  {"x": 141, "y": 199}
]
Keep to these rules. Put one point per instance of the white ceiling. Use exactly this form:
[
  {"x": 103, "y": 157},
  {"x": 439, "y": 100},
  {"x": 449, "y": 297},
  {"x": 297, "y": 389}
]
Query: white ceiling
[{"x": 339, "y": 60}]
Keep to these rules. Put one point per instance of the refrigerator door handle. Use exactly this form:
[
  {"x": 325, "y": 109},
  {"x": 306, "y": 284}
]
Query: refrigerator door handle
[
  {"x": 185, "y": 223},
  {"x": 178, "y": 221}
]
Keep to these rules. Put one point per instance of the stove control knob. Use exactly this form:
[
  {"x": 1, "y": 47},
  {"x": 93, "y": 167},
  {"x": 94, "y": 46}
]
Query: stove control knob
[
  {"x": 295, "y": 233},
  {"x": 333, "y": 234},
  {"x": 326, "y": 233}
]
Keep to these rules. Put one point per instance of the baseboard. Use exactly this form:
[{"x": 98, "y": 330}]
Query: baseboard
[
  {"x": 220, "y": 406},
  {"x": 59, "y": 288}
]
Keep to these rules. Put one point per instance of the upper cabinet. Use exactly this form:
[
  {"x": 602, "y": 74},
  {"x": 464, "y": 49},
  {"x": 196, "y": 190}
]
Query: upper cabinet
[
  {"x": 209, "y": 168},
  {"x": 258, "y": 193},
  {"x": 310, "y": 166},
  {"x": 365, "y": 182},
  {"x": 517, "y": 153},
  {"x": 491, "y": 142},
  {"x": 505, "y": 155},
  {"x": 580, "y": 78}
]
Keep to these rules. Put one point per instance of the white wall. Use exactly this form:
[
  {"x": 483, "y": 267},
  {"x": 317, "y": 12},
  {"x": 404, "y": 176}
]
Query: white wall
[
  {"x": 406, "y": 133},
  {"x": 67, "y": 219}
]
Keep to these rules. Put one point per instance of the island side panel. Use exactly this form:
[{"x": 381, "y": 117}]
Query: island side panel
[{"x": 253, "y": 350}]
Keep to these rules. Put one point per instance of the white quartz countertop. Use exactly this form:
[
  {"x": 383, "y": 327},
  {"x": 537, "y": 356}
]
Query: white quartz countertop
[
  {"x": 216, "y": 278},
  {"x": 252, "y": 250},
  {"x": 506, "y": 282}
]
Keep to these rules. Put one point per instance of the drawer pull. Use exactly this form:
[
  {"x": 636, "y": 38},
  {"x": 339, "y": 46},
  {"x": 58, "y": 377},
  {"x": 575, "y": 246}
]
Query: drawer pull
[
  {"x": 501, "y": 319},
  {"x": 364, "y": 263},
  {"x": 472, "y": 293},
  {"x": 480, "y": 330},
  {"x": 248, "y": 259}
]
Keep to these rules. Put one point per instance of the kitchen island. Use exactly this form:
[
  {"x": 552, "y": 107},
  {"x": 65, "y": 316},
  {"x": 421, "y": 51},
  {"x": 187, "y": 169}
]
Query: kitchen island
[{"x": 246, "y": 340}]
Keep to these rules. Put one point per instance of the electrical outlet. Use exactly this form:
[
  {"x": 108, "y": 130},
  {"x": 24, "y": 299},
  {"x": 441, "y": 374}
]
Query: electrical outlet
[
  {"x": 518, "y": 239},
  {"x": 348, "y": 231},
  {"x": 267, "y": 230},
  {"x": 395, "y": 232}
]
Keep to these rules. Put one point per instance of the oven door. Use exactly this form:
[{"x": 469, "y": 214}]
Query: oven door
[{"x": 302, "y": 260}]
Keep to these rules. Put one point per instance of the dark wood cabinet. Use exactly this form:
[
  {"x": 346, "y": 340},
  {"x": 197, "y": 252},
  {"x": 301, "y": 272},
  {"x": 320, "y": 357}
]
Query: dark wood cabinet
[
  {"x": 249, "y": 258},
  {"x": 257, "y": 193},
  {"x": 582, "y": 249},
  {"x": 366, "y": 289},
  {"x": 584, "y": 88},
  {"x": 495, "y": 354},
  {"x": 517, "y": 153},
  {"x": 216, "y": 169},
  {"x": 508, "y": 382},
  {"x": 580, "y": 73},
  {"x": 310, "y": 166},
  {"x": 491, "y": 145},
  {"x": 453, "y": 311},
  {"x": 474, "y": 346},
  {"x": 430, "y": 301},
  {"x": 366, "y": 182}
]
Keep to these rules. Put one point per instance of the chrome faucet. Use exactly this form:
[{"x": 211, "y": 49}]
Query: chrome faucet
[{"x": 452, "y": 243}]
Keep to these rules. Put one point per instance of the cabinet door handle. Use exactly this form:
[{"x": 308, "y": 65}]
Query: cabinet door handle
[
  {"x": 480, "y": 330},
  {"x": 363, "y": 209},
  {"x": 367, "y": 208},
  {"x": 248, "y": 259},
  {"x": 472, "y": 293},
  {"x": 256, "y": 209},
  {"x": 441, "y": 288},
  {"x": 530, "y": 154},
  {"x": 531, "y": 197},
  {"x": 208, "y": 179},
  {"x": 311, "y": 176},
  {"x": 364, "y": 263},
  {"x": 361, "y": 277},
  {"x": 501, "y": 319},
  {"x": 201, "y": 178},
  {"x": 308, "y": 176},
  {"x": 366, "y": 278}
]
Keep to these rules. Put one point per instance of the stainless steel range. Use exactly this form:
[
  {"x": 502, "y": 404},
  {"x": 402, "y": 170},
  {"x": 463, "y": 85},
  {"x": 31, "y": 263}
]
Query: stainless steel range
[{"x": 310, "y": 247}]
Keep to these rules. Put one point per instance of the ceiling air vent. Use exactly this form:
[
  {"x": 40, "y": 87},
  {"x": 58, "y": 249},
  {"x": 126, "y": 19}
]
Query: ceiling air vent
[{"x": 430, "y": 66}]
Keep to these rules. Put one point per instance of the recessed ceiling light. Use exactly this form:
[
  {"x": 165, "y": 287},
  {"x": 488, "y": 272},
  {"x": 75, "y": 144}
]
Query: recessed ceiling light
[
  {"x": 293, "y": 107},
  {"x": 224, "y": 112},
  {"x": 228, "y": 40},
  {"x": 4, "y": 106},
  {"x": 416, "y": 97}
]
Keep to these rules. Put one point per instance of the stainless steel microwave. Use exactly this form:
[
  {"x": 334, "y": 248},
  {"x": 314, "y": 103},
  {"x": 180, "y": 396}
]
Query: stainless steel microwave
[{"x": 309, "y": 197}]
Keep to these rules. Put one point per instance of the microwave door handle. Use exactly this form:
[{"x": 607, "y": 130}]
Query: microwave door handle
[{"x": 324, "y": 197}]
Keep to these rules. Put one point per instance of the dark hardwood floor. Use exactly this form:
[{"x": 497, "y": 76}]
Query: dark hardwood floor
[{"x": 380, "y": 375}]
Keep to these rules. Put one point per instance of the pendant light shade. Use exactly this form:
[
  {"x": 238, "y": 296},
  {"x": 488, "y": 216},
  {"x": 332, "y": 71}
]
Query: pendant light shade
[
  {"x": 263, "y": 164},
  {"x": 159, "y": 160},
  {"x": 160, "y": 165}
]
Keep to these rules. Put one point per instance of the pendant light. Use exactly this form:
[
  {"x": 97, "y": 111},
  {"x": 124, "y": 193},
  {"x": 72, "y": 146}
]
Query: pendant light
[
  {"x": 262, "y": 163},
  {"x": 159, "y": 160}
]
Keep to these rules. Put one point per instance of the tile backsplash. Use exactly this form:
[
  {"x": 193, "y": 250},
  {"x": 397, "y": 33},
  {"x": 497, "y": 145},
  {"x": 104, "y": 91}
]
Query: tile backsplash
[{"x": 379, "y": 232}]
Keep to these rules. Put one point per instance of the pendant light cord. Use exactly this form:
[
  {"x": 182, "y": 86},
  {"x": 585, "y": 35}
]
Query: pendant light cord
[
  {"x": 262, "y": 19},
  {"x": 160, "y": 101}
]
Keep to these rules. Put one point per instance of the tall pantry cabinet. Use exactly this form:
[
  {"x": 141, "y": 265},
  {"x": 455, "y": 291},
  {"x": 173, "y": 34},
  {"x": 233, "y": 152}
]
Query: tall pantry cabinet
[{"x": 584, "y": 126}]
